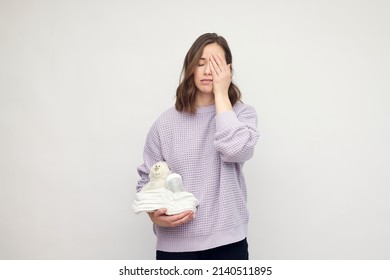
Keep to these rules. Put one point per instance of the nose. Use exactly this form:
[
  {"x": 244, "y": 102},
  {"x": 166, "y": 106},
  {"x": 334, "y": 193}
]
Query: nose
[{"x": 207, "y": 70}]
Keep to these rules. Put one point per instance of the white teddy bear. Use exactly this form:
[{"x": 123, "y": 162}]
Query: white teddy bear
[{"x": 158, "y": 173}]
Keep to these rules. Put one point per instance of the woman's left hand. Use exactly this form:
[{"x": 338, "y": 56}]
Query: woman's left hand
[{"x": 221, "y": 72}]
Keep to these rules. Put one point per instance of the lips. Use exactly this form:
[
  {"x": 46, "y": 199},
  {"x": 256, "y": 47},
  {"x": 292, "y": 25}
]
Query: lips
[{"x": 206, "y": 81}]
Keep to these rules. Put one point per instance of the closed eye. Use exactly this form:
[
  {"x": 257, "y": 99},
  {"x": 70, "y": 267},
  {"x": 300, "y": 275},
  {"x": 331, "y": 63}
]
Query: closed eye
[{"x": 201, "y": 61}]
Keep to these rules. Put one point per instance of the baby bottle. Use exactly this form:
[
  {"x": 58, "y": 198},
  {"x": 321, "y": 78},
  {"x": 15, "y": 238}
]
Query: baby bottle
[{"x": 174, "y": 183}]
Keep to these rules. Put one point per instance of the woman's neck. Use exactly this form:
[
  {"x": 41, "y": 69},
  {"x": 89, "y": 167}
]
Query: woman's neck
[{"x": 204, "y": 99}]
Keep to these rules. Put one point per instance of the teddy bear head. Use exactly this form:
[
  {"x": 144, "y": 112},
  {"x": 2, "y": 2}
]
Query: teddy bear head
[{"x": 159, "y": 170}]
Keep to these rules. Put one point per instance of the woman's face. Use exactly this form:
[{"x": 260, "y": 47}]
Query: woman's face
[{"x": 202, "y": 74}]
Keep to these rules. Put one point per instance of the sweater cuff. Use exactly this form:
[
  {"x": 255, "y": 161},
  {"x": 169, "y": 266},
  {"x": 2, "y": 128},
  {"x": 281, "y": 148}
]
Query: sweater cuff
[{"x": 225, "y": 120}]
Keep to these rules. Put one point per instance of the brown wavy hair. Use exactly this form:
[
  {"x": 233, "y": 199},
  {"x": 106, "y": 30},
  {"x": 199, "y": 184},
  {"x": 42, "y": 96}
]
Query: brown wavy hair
[{"x": 186, "y": 91}]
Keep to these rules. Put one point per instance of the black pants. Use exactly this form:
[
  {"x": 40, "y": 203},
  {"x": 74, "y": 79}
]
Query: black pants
[{"x": 234, "y": 251}]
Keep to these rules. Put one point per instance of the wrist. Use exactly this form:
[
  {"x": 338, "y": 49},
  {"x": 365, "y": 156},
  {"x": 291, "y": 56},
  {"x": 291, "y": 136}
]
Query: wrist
[
  {"x": 222, "y": 102},
  {"x": 221, "y": 93}
]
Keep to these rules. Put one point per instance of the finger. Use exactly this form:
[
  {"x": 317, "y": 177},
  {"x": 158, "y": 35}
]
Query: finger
[
  {"x": 223, "y": 64},
  {"x": 212, "y": 68},
  {"x": 216, "y": 71},
  {"x": 160, "y": 212},
  {"x": 150, "y": 213},
  {"x": 189, "y": 217},
  {"x": 183, "y": 220},
  {"x": 221, "y": 61},
  {"x": 180, "y": 216},
  {"x": 215, "y": 63}
]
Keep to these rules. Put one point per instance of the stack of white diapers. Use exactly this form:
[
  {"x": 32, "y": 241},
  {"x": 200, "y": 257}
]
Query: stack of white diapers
[{"x": 176, "y": 203}]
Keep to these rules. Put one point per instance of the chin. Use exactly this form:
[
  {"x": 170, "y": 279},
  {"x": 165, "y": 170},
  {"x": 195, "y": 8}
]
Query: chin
[{"x": 206, "y": 90}]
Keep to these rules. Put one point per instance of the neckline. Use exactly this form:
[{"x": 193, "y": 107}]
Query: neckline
[{"x": 205, "y": 109}]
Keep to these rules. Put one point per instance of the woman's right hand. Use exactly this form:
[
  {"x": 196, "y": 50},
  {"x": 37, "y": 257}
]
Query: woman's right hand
[{"x": 161, "y": 219}]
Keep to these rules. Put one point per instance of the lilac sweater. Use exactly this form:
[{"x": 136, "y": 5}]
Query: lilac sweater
[{"x": 209, "y": 152}]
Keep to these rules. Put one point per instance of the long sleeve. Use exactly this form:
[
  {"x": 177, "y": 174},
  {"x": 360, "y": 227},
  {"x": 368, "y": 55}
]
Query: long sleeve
[
  {"x": 152, "y": 154},
  {"x": 236, "y": 134}
]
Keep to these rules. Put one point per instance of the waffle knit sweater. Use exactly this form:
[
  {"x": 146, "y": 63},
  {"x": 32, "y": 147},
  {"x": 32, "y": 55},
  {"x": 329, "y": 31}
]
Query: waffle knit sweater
[{"x": 208, "y": 150}]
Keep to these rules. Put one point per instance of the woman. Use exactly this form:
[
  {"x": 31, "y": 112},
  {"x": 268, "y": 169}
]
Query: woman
[{"x": 206, "y": 138}]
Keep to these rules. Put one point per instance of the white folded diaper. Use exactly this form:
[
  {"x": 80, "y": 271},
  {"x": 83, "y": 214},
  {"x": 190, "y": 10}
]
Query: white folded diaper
[{"x": 151, "y": 200}]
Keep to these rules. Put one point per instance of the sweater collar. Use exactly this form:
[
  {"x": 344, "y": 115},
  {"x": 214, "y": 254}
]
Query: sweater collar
[{"x": 205, "y": 109}]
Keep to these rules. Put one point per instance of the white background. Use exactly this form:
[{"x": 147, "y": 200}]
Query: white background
[{"x": 82, "y": 81}]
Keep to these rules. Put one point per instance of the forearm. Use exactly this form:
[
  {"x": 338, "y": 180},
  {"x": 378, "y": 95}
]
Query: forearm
[
  {"x": 236, "y": 134},
  {"x": 222, "y": 102}
]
